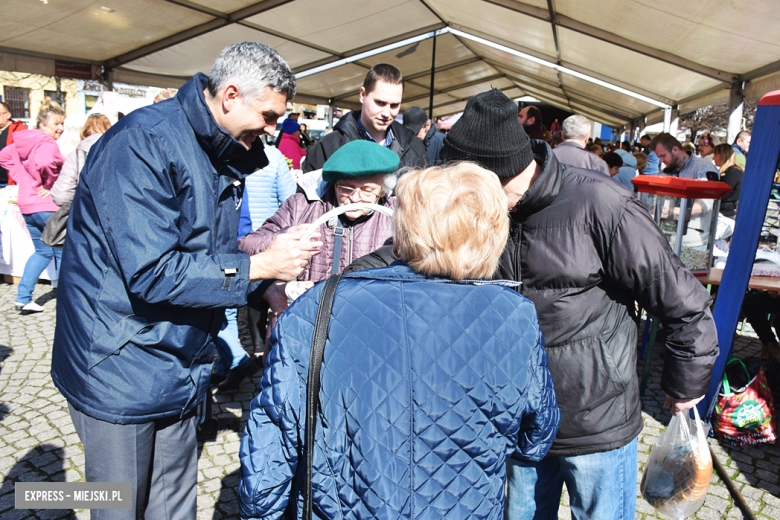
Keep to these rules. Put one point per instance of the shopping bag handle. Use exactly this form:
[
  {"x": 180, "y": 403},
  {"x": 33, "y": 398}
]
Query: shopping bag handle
[{"x": 726, "y": 386}]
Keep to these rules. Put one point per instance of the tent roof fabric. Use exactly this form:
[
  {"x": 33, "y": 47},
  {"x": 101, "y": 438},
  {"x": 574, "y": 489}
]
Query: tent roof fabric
[{"x": 672, "y": 55}]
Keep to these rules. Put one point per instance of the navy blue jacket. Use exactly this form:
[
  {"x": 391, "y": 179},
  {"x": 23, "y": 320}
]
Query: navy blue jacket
[
  {"x": 143, "y": 284},
  {"x": 428, "y": 386}
]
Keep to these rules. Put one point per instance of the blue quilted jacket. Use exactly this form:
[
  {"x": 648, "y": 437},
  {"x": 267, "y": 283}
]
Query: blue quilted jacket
[
  {"x": 269, "y": 187},
  {"x": 428, "y": 386}
]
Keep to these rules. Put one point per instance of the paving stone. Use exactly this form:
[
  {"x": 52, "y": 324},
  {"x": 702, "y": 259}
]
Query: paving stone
[
  {"x": 74, "y": 476},
  {"x": 754, "y": 452},
  {"x": 719, "y": 491},
  {"x": 716, "y": 503},
  {"x": 228, "y": 508},
  {"x": 747, "y": 478},
  {"x": 212, "y": 485},
  {"x": 206, "y": 501},
  {"x": 26, "y": 443},
  {"x": 735, "y": 512},
  {"x": 214, "y": 472},
  {"x": 771, "y": 512},
  {"x": 772, "y": 500},
  {"x": 769, "y": 466},
  {"x": 740, "y": 457},
  {"x": 7, "y": 501},
  {"x": 643, "y": 507},
  {"x": 754, "y": 505},
  {"x": 705, "y": 513},
  {"x": 44, "y": 460},
  {"x": 15, "y": 514},
  {"x": 53, "y": 513}
]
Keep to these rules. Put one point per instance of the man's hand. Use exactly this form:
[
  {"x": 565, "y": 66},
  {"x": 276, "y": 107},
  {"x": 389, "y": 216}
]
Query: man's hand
[
  {"x": 43, "y": 192},
  {"x": 286, "y": 257},
  {"x": 678, "y": 405}
]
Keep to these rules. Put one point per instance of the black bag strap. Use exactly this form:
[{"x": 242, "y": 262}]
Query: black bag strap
[
  {"x": 338, "y": 233},
  {"x": 313, "y": 385}
]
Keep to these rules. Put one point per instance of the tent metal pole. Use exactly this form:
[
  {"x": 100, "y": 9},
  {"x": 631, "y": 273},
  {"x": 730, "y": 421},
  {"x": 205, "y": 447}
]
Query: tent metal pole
[
  {"x": 667, "y": 119},
  {"x": 735, "y": 111},
  {"x": 330, "y": 114},
  {"x": 433, "y": 76}
]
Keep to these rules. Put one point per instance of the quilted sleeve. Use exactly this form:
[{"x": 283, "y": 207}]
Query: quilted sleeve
[
  {"x": 541, "y": 416},
  {"x": 269, "y": 446}
]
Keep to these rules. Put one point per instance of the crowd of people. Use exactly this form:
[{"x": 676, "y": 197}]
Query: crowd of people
[{"x": 481, "y": 348}]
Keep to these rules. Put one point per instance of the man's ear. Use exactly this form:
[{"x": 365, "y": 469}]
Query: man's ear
[
  {"x": 362, "y": 94},
  {"x": 230, "y": 98}
]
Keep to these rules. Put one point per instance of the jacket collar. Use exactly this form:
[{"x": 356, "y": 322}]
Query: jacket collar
[
  {"x": 571, "y": 144},
  {"x": 400, "y": 272},
  {"x": 213, "y": 139},
  {"x": 348, "y": 125},
  {"x": 545, "y": 187}
]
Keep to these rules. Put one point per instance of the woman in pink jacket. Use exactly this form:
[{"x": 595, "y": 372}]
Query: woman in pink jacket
[
  {"x": 34, "y": 161},
  {"x": 290, "y": 143}
]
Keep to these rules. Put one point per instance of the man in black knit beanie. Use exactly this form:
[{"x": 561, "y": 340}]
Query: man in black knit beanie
[{"x": 585, "y": 250}]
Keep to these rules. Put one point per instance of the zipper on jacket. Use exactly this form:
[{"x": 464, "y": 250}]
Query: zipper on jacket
[{"x": 216, "y": 206}]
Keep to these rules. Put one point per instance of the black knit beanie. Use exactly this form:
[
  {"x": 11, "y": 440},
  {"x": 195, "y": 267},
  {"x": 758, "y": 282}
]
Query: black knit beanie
[{"x": 489, "y": 134}]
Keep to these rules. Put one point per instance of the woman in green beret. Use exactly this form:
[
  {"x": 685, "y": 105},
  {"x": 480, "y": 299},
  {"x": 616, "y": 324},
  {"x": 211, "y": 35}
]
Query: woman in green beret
[{"x": 360, "y": 171}]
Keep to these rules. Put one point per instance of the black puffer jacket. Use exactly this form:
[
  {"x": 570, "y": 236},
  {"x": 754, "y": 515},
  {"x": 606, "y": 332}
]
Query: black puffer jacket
[
  {"x": 406, "y": 144},
  {"x": 585, "y": 250}
]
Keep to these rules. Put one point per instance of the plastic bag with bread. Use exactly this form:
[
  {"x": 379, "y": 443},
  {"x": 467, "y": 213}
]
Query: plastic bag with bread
[{"x": 678, "y": 472}]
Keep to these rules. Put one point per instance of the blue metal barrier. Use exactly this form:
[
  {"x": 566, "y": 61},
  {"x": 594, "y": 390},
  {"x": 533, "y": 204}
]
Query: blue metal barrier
[{"x": 753, "y": 199}]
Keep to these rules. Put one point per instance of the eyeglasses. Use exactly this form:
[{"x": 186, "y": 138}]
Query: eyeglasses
[{"x": 364, "y": 193}]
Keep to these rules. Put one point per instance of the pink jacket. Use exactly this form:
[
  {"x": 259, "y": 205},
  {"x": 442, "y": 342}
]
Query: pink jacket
[
  {"x": 291, "y": 148},
  {"x": 34, "y": 161}
]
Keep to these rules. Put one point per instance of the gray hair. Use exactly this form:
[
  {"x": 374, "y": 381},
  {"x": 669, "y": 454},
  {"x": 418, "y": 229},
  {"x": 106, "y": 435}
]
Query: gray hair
[
  {"x": 576, "y": 127},
  {"x": 389, "y": 182},
  {"x": 251, "y": 67}
]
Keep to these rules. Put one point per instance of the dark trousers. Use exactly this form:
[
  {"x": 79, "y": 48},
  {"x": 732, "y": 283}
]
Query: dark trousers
[
  {"x": 258, "y": 325},
  {"x": 756, "y": 306},
  {"x": 158, "y": 458}
]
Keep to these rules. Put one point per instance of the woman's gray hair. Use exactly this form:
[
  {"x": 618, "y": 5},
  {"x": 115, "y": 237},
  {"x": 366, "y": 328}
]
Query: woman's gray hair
[
  {"x": 389, "y": 182},
  {"x": 251, "y": 67}
]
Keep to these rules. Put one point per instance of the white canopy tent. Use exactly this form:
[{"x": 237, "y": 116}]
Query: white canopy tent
[{"x": 624, "y": 63}]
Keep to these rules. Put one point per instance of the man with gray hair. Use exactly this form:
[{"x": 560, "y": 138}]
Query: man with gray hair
[
  {"x": 576, "y": 132},
  {"x": 150, "y": 265}
]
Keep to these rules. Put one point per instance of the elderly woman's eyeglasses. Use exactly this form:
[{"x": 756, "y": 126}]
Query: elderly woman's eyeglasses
[{"x": 363, "y": 192}]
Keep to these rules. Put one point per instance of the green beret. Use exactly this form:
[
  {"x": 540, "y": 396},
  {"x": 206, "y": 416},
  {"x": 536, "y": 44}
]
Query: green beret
[{"x": 359, "y": 159}]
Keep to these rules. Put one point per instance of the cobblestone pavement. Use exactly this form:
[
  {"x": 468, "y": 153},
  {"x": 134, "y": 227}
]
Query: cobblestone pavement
[{"x": 38, "y": 441}]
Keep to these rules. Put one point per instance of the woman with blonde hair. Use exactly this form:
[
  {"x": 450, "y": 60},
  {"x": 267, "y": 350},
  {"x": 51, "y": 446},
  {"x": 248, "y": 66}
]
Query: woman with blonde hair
[
  {"x": 34, "y": 161},
  {"x": 433, "y": 374},
  {"x": 731, "y": 173},
  {"x": 65, "y": 187}
]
